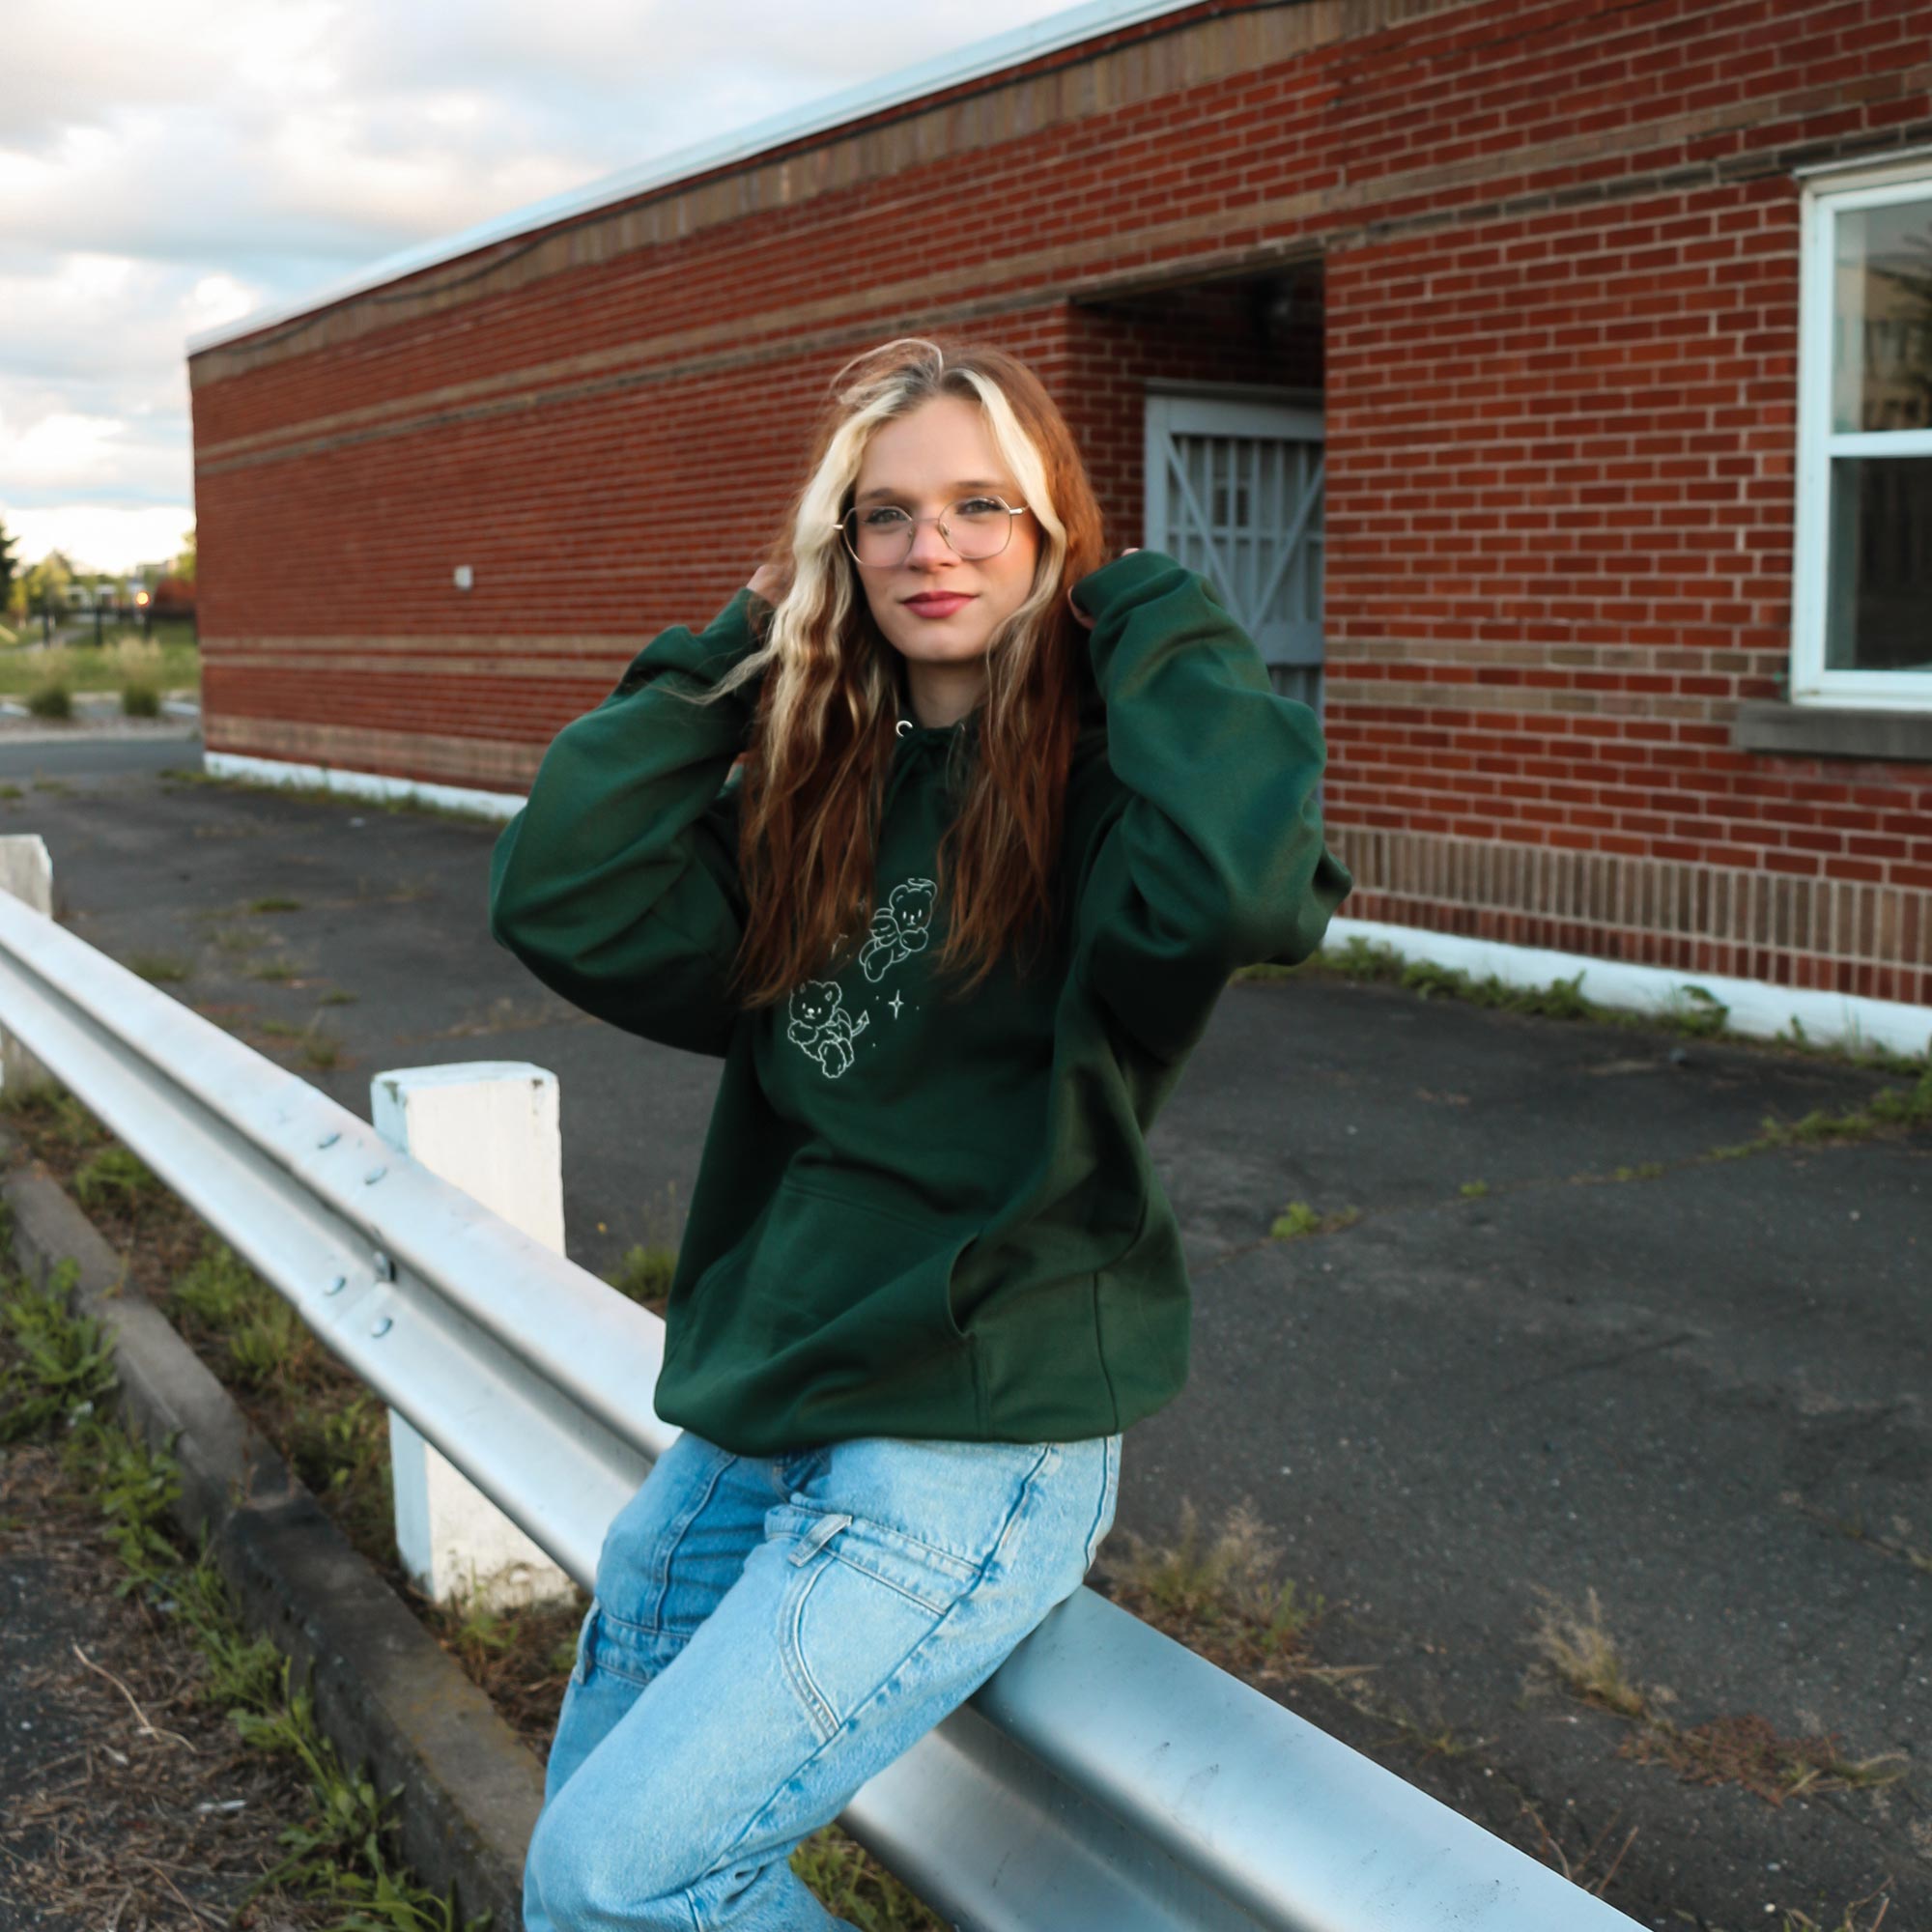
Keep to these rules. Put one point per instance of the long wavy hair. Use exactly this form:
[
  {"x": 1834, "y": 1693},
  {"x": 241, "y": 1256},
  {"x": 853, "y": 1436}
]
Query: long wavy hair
[{"x": 831, "y": 693}]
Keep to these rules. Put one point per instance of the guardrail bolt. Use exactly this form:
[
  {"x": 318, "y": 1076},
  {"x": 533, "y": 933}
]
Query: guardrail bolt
[
  {"x": 374, "y": 1175},
  {"x": 381, "y": 1325},
  {"x": 386, "y": 1268},
  {"x": 337, "y": 1285},
  {"x": 329, "y": 1140}
]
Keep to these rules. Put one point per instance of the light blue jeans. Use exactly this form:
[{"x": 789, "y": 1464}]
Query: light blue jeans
[{"x": 769, "y": 1632}]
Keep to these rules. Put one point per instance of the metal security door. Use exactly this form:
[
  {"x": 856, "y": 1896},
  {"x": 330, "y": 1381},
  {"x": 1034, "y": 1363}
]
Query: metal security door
[{"x": 1234, "y": 490}]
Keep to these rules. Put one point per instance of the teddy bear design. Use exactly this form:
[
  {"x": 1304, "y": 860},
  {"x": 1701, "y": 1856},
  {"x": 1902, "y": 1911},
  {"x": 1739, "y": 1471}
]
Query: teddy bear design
[
  {"x": 898, "y": 928},
  {"x": 820, "y": 1025}
]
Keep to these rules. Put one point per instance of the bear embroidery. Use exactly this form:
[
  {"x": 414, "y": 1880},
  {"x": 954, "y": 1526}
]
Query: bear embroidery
[
  {"x": 898, "y": 928},
  {"x": 820, "y": 1025}
]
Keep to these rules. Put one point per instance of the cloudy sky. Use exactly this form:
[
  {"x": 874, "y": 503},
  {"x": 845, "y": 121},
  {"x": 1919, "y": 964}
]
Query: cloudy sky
[{"x": 167, "y": 165}]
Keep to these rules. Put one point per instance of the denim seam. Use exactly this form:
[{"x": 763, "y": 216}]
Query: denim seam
[
  {"x": 1048, "y": 1451},
  {"x": 661, "y": 1576},
  {"x": 1109, "y": 1465},
  {"x": 792, "y": 1655}
]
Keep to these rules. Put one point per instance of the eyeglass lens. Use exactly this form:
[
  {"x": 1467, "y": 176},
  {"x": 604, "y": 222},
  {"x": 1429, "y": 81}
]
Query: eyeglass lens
[{"x": 975, "y": 526}]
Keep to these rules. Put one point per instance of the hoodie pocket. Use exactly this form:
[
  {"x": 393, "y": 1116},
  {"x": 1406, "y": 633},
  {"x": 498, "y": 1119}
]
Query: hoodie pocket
[
  {"x": 826, "y": 1294},
  {"x": 845, "y": 1260}
]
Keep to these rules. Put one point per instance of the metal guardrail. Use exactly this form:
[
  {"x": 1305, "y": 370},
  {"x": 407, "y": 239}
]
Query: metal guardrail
[{"x": 1104, "y": 1779}]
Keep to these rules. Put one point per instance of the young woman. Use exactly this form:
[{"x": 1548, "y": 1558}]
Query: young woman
[{"x": 1004, "y": 824}]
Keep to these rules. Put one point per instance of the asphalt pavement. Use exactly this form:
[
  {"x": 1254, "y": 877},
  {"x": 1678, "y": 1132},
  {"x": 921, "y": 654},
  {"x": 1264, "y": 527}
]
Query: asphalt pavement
[{"x": 1560, "y": 1351}]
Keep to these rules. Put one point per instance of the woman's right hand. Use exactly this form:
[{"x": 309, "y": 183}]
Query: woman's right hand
[{"x": 768, "y": 581}]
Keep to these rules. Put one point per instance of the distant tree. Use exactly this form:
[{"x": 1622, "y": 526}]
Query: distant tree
[
  {"x": 185, "y": 562},
  {"x": 9, "y": 570},
  {"x": 48, "y": 581}
]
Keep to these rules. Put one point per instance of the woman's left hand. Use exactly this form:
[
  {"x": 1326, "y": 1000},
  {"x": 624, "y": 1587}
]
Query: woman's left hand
[{"x": 1086, "y": 621}]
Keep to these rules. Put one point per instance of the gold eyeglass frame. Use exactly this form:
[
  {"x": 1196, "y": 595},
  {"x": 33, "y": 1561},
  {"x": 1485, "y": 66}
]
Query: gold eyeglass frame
[{"x": 844, "y": 528}]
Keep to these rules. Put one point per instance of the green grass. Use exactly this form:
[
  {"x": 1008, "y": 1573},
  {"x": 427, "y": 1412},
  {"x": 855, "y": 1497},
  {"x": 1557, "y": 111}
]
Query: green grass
[
  {"x": 1299, "y": 1219},
  {"x": 161, "y": 969},
  {"x": 172, "y": 664},
  {"x": 114, "y": 1177},
  {"x": 276, "y": 902},
  {"x": 644, "y": 1273},
  {"x": 1694, "y": 1011},
  {"x": 51, "y": 698},
  {"x": 140, "y": 698},
  {"x": 57, "y": 1376}
]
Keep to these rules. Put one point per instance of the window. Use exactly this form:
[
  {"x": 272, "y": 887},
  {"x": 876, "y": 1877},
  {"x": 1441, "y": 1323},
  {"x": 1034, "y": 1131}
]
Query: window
[{"x": 1861, "y": 615}]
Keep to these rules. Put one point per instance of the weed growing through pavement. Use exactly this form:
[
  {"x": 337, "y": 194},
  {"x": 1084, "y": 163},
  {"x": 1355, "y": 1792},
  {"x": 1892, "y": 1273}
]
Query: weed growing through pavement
[
  {"x": 1298, "y": 1218},
  {"x": 1473, "y": 1190},
  {"x": 1585, "y": 1658},
  {"x": 1575, "y": 1648},
  {"x": 159, "y": 969},
  {"x": 318, "y": 1048},
  {"x": 643, "y": 1276},
  {"x": 1225, "y": 1598},
  {"x": 644, "y": 1272},
  {"x": 1862, "y": 1914},
  {"x": 276, "y": 902},
  {"x": 1585, "y": 1867}
]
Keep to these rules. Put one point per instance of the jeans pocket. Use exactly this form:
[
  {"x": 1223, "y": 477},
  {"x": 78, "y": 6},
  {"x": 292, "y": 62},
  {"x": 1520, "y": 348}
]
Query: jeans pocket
[{"x": 863, "y": 1599}]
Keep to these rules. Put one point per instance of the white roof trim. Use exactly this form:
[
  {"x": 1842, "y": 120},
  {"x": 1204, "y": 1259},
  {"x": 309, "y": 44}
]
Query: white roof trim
[{"x": 947, "y": 71}]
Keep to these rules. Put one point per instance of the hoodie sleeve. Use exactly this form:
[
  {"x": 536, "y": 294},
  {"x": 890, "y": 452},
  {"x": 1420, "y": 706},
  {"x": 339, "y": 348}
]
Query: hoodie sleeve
[
  {"x": 1213, "y": 856},
  {"x": 617, "y": 883}
]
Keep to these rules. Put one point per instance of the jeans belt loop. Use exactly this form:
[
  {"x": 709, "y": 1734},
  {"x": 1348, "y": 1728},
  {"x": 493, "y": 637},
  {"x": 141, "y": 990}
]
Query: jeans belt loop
[{"x": 822, "y": 1532}]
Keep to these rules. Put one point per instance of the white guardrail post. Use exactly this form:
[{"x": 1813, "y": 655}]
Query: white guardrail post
[
  {"x": 1104, "y": 1779},
  {"x": 491, "y": 1127},
  {"x": 27, "y": 871}
]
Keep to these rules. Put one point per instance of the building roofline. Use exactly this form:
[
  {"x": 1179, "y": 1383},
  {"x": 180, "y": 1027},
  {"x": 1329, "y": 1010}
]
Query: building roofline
[{"x": 815, "y": 117}]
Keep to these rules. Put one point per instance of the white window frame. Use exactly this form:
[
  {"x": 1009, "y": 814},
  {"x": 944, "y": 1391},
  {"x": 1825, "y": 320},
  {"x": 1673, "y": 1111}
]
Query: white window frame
[{"x": 1824, "y": 200}]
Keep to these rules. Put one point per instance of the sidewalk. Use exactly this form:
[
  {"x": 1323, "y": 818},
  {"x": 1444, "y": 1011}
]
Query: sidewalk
[{"x": 1698, "y": 1390}]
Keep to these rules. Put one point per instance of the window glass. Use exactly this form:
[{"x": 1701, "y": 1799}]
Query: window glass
[
  {"x": 1878, "y": 604},
  {"x": 1882, "y": 337}
]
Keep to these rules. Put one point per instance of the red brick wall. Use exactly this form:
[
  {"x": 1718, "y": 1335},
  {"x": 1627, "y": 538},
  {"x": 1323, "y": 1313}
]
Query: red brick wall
[{"x": 1559, "y": 258}]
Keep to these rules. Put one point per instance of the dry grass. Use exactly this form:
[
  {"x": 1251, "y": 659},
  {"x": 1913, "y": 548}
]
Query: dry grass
[
  {"x": 142, "y": 1806},
  {"x": 1224, "y": 1598},
  {"x": 1575, "y": 1648}
]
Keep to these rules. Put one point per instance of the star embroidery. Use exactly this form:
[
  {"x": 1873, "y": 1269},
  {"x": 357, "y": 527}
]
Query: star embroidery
[{"x": 894, "y": 1003}]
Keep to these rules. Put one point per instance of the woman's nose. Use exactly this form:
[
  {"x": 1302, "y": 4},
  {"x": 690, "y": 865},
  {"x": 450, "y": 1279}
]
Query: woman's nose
[{"x": 928, "y": 544}]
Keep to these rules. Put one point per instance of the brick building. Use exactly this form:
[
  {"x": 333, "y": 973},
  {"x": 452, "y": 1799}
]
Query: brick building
[{"x": 1547, "y": 382}]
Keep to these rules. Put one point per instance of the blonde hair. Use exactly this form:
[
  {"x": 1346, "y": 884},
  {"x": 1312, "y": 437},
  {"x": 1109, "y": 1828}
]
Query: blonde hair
[{"x": 829, "y": 700}]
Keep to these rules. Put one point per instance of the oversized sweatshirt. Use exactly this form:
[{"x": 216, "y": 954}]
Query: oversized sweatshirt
[{"x": 916, "y": 1214}]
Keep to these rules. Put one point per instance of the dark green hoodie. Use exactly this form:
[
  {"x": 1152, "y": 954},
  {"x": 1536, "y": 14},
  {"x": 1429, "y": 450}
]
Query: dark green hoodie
[{"x": 917, "y": 1216}]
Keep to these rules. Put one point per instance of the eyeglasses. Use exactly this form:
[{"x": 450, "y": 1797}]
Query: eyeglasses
[{"x": 975, "y": 528}]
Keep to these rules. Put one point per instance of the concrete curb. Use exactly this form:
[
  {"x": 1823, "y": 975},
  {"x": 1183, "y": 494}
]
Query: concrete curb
[{"x": 384, "y": 1690}]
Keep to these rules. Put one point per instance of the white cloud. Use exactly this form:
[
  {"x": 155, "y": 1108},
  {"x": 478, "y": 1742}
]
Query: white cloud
[
  {"x": 100, "y": 536},
  {"x": 168, "y": 165}
]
